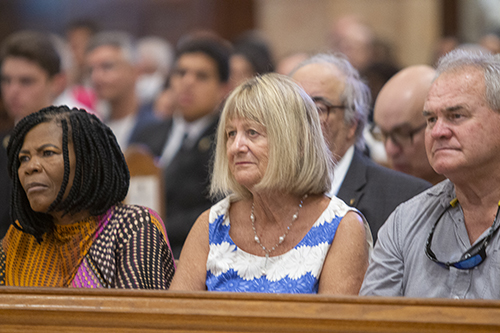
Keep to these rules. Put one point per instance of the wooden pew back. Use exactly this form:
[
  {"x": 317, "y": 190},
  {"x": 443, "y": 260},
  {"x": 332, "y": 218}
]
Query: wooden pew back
[
  {"x": 146, "y": 179},
  {"x": 70, "y": 310}
]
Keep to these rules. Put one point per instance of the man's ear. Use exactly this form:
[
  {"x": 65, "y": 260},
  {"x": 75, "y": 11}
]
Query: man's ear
[
  {"x": 351, "y": 133},
  {"x": 225, "y": 89},
  {"x": 59, "y": 82}
]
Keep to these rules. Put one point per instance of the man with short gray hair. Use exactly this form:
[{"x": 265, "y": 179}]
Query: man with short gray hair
[
  {"x": 445, "y": 241},
  {"x": 343, "y": 101},
  {"x": 112, "y": 60}
]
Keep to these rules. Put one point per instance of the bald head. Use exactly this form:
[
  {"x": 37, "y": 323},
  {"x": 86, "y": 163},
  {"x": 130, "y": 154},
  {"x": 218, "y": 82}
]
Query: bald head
[
  {"x": 398, "y": 114},
  {"x": 402, "y": 98}
]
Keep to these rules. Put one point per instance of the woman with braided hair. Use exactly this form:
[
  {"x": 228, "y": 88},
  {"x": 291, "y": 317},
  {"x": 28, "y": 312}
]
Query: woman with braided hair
[{"x": 69, "y": 227}]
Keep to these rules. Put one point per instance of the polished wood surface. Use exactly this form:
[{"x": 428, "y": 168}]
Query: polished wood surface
[
  {"x": 146, "y": 180},
  {"x": 70, "y": 310}
]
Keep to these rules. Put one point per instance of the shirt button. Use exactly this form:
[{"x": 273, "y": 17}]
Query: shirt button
[{"x": 456, "y": 297}]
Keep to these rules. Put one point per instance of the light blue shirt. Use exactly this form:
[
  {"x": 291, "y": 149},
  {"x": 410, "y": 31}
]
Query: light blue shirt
[{"x": 400, "y": 267}]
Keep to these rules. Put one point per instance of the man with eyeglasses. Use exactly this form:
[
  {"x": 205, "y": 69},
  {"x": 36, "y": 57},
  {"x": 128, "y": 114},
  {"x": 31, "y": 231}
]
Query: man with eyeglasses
[
  {"x": 343, "y": 100},
  {"x": 400, "y": 123},
  {"x": 445, "y": 241}
]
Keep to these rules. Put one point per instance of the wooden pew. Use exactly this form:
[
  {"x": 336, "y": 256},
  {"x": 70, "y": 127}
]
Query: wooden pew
[
  {"x": 70, "y": 310},
  {"x": 146, "y": 179}
]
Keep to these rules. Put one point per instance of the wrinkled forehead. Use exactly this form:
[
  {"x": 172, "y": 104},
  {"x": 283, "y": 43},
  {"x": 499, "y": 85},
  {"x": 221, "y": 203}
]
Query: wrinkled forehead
[
  {"x": 321, "y": 80},
  {"x": 465, "y": 85}
]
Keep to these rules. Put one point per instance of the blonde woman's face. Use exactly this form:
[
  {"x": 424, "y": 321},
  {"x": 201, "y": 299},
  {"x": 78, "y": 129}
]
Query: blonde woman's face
[{"x": 247, "y": 151}]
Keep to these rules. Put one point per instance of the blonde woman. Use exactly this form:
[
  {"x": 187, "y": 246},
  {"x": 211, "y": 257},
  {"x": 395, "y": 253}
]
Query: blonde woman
[{"x": 275, "y": 230}]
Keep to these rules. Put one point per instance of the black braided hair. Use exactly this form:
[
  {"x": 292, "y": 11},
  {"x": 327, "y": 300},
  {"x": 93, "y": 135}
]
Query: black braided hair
[{"x": 101, "y": 177}]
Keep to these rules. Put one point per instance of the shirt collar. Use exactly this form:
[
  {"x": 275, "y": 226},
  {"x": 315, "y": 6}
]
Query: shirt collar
[
  {"x": 444, "y": 192},
  {"x": 340, "y": 170},
  {"x": 193, "y": 129}
]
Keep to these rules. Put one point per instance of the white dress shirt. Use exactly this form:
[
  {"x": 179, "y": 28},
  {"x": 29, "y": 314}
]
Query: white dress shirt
[
  {"x": 122, "y": 128},
  {"x": 341, "y": 170},
  {"x": 183, "y": 133}
]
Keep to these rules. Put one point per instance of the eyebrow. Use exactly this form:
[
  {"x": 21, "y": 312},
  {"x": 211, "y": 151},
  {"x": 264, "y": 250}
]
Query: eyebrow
[
  {"x": 401, "y": 126},
  {"x": 448, "y": 109},
  {"x": 454, "y": 108},
  {"x": 25, "y": 151},
  {"x": 320, "y": 99}
]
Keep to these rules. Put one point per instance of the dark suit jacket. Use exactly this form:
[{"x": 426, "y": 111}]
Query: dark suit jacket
[
  {"x": 186, "y": 179},
  {"x": 153, "y": 136},
  {"x": 376, "y": 191}
]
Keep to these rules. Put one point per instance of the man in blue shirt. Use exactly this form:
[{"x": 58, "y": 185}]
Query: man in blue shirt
[{"x": 445, "y": 241}]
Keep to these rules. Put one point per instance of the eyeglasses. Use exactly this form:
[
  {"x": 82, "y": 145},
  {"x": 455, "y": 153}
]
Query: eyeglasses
[
  {"x": 324, "y": 107},
  {"x": 473, "y": 256},
  {"x": 401, "y": 136}
]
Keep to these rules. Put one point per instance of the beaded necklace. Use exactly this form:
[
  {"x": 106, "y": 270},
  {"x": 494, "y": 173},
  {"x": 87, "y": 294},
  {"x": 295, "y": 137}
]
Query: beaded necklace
[{"x": 281, "y": 239}]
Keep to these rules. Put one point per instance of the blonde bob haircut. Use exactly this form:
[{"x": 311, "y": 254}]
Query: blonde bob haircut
[{"x": 299, "y": 161}]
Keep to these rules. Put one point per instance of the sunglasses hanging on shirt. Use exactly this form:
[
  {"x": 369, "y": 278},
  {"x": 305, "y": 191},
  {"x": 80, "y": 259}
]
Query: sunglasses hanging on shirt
[{"x": 473, "y": 256}]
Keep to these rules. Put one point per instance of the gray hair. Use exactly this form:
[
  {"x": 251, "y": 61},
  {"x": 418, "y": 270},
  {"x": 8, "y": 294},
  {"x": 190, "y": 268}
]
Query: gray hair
[
  {"x": 356, "y": 95},
  {"x": 122, "y": 40},
  {"x": 64, "y": 51},
  {"x": 490, "y": 65},
  {"x": 158, "y": 50}
]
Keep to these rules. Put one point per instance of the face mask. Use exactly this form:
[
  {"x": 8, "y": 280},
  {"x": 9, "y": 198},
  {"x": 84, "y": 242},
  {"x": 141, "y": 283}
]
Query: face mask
[{"x": 148, "y": 86}]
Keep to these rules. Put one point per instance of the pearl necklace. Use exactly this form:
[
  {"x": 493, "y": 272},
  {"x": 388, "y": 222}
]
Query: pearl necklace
[{"x": 281, "y": 239}]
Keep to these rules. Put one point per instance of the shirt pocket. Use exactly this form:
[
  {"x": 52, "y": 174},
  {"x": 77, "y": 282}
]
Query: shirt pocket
[{"x": 488, "y": 277}]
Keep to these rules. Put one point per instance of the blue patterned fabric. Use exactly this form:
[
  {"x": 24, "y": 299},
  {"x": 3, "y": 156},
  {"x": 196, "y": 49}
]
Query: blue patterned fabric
[{"x": 297, "y": 271}]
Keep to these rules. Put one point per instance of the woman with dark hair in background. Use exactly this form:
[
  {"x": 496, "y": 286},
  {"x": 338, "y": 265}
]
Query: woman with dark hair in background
[
  {"x": 251, "y": 56},
  {"x": 69, "y": 226}
]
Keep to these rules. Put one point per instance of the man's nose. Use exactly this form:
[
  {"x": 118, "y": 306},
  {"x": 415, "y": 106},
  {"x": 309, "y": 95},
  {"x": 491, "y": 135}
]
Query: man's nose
[
  {"x": 392, "y": 148},
  {"x": 440, "y": 129},
  {"x": 188, "y": 78}
]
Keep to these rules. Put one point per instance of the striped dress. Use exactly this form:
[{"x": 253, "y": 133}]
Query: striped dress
[{"x": 127, "y": 247}]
